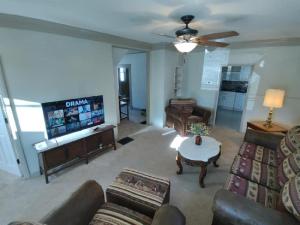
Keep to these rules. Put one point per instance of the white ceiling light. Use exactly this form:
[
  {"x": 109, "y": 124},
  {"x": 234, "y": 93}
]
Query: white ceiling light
[{"x": 185, "y": 46}]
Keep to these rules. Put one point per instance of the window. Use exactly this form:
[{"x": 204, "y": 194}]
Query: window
[{"x": 122, "y": 72}]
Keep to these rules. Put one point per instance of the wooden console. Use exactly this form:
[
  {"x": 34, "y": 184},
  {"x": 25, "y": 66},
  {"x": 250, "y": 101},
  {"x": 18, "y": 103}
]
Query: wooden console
[{"x": 62, "y": 155}]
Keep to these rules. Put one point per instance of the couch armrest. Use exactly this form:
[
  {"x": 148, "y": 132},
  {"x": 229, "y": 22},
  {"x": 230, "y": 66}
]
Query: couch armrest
[
  {"x": 266, "y": 139},
  {"x": 233, "y": 209},
  {"x": 79, "y": 208},
  {"x": 168, "y": 215},
  {"x": 203, "y": 112}
]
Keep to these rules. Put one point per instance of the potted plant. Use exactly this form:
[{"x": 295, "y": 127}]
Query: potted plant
[{"x": 199, "y": 129}]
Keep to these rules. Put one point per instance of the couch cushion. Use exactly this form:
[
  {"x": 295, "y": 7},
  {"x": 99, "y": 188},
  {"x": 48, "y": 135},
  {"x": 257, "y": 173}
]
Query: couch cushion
[
  {"x": 258, "y": 153},
  {"x": 113, "y": 214},
  {"x": 289, "y": 168},
  {"x": 291, "y": 196},
  {"x": 182, "y": 101},
  {"x": 184, "y": 105},
  {"x": 252, "y": 190},
  {"x": 255, "y": 171},
  {"x": 289, "y": 144},
  {"x": 140, "y": 191}
]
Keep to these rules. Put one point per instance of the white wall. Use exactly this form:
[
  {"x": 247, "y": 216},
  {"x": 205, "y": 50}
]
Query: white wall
[
  {"x": 171, "y": 62},
  {"x": 274, "y": 67},
  {"x": 156, "y": 86},
  {"x": 163, "y": 63},
  {"x": 202, "y": 80},
  {"x": 42, "y": 67},
  {"x": 138, "y": 79}
]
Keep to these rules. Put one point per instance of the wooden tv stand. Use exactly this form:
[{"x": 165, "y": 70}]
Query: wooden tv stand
[{"x": 58, "y": 156}]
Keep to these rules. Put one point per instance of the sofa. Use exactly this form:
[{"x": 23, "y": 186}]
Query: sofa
[
  {"x": 87, "y": 206},
  {"x": 181, "y": 113},
  {"x": 263, "y": 186}
]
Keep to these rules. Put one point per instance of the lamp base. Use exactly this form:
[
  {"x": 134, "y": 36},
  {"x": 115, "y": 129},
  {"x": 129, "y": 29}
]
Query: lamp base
[{"x": 268, "y": 122}]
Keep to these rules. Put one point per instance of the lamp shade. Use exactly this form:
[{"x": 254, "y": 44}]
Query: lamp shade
[
  {"x": 274, "y": 98},
  {"x": 185, "y": 47}
]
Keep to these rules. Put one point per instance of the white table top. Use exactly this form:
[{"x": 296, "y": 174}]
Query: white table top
[{"x": 209, "y": 148}]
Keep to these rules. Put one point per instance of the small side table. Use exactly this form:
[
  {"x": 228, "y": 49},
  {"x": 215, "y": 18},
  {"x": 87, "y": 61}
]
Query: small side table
[
  {"x": 198, "y": 155},
  {"x": 259, "y": 125}
]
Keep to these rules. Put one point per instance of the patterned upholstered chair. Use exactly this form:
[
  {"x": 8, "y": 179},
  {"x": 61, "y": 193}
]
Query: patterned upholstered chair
[{"x": 263, "y": 186}]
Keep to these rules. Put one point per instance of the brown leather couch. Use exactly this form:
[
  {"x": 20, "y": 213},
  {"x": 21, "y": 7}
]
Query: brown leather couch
[
  {"x": 234, "y": 205},
  {"x": 82, "y": 205},
  {"x": 181, "y": 113}
]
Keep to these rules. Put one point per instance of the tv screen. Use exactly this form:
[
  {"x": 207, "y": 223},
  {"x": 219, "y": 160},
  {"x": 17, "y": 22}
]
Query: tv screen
[{"x": 67, "y": 116}]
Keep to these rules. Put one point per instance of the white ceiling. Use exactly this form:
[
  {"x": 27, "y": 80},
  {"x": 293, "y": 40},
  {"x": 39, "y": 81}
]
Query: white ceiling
[{"x": 139, "y": 19}]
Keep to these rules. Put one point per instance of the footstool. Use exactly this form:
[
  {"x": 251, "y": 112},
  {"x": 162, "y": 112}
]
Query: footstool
[{"x": 142, "y": 192}]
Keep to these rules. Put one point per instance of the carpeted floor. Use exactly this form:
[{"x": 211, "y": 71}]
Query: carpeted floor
[{"x": 150, "y": 151}]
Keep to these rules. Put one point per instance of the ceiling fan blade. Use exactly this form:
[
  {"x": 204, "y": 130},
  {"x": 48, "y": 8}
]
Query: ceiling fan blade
[
  {"x": 218, "y": 35},
  {"x": 211, "y": 43}
]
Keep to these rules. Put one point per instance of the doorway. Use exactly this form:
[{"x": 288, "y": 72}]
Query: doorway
[
  {"x": 124, "y": 90},
  {"x": 132, "y": 87},
  {"x": 232, "y": 95},
  {"x": 8, "y": 159}
]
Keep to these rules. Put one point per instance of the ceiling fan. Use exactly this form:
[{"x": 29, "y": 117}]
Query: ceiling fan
[{"x": 187, "y": 39}]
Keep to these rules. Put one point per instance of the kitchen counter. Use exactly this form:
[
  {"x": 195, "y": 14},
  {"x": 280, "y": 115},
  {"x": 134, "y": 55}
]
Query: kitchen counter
[{"x": 234, "y": 86}]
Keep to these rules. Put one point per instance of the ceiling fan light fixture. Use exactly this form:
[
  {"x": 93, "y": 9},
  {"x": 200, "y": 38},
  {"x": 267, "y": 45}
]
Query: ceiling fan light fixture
[{"x": 185, "y": 47}]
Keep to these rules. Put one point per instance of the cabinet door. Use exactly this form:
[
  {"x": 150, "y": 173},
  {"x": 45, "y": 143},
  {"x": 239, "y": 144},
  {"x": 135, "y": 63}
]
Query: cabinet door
[
  {"x": 55, "y": 157},
  {"x": 93, "y": 142},
  {"x": 107, "y": 137},
  {"x": 75, "y": 149},
  {"x": 239, "y": 102},
  {"x": 229, "y": 100}
]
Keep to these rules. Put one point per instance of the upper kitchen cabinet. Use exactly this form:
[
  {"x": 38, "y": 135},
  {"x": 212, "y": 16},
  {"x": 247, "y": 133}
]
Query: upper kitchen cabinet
[{"x": 236, "y": 73}]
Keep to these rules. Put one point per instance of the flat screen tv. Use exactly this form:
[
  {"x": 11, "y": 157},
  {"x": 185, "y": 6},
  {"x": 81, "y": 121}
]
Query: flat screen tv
[{"x": 67, "y": 116}]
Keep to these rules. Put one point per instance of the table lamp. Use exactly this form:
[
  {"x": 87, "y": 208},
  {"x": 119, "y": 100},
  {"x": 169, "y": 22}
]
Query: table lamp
[{"x": 273, "y": 99}]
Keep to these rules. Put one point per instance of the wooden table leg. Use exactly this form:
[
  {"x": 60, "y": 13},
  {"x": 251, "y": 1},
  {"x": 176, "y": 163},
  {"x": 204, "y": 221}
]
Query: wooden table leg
[
  {"x": 216, "y": 159},
  {"x": 202, "y": 175},
  {"x": 178, "y": 161}
]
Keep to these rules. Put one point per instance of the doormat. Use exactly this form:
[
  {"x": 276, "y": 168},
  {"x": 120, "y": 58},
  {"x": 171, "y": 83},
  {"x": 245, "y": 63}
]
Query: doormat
[
  {"x": 125, "y": 140},
  {"x": 144, "y": 122}
]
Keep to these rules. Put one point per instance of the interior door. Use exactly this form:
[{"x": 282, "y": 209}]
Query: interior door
[{"x": 8, "y": 161}]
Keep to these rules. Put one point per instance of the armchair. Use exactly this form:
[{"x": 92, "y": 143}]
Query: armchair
[
  {"x": 80, "y": 209},
  {"x": 181, "y": 113}
]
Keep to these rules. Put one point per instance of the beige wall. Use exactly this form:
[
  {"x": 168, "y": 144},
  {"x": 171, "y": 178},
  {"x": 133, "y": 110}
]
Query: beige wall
[
  {"x": 41, "y": 67},
  {"x": 162, "y": 72},
  {"x": 274, "y": 67}
]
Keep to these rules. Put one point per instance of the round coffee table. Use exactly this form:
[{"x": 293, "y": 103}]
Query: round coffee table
[{"x": 198, "y": 155}]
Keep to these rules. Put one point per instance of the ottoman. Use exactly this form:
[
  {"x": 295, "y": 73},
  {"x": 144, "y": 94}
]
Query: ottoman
[{"x": 142, "y": 192}]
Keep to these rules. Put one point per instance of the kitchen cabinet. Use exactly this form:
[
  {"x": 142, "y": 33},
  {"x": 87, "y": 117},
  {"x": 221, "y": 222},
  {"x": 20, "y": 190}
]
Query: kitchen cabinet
[
  {"x": 239, "y": 101},
  {"x": 231, "y": 100},
  {"x": 226, "y": 99},
  {"x": 236, "y": 73}
]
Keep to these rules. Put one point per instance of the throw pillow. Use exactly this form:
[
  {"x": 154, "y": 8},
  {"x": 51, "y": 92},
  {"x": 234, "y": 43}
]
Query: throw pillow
[
  {"x": 289, "y": 168},
  {"x": 291, "y": 196},
  {"x": 289, "y": 144}
]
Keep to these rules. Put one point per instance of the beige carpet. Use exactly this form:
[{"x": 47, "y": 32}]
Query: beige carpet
[{"x": 150, "y": 151}]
